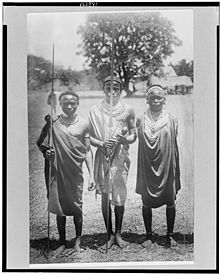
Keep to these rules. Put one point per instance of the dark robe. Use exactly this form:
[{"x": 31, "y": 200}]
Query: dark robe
[
  {"x": 66, "y": 184},
  {"x": 158, "y": 175}
]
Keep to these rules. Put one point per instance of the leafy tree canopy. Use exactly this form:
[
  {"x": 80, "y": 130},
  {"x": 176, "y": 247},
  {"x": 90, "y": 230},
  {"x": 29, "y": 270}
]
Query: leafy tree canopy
[
  {"x": 141, "y": 42},
  {"x": 40, "y": 73}
]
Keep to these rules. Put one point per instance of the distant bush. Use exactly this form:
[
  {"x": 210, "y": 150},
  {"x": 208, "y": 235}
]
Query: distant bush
[
  {"x": 39, "y": 74},
  {"x": 38, "y": 71}
]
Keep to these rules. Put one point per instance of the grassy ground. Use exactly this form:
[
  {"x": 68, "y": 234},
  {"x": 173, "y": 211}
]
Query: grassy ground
[{"x": 93, "y": 227}]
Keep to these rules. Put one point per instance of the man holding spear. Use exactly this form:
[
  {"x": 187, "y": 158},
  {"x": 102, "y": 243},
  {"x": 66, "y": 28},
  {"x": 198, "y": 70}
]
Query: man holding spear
[
  {"x": 71, "y": 147},
  {"x": 65, "y": 144},
  {"x": 112, "y": 130}
]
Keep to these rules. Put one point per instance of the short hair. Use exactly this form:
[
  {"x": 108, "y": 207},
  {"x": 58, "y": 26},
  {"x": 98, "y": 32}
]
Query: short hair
[{"x": 69, "y": 93}]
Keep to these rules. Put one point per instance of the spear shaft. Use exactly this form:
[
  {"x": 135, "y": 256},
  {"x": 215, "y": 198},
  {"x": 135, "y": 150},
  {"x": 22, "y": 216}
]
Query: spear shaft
[
  {"x": 50, "y": 146},
  {"x": 110, "y": 133}
]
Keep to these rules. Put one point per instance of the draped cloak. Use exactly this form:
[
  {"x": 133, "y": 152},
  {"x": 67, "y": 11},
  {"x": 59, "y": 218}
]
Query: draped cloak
[
  {"x": 113, "y": 180},
  {"x": 66, "y": 185},
  {"x": 158, "y": 175}
]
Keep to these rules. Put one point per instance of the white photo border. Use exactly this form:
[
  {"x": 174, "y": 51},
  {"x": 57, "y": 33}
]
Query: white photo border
[{"x": 205, "y": 140}]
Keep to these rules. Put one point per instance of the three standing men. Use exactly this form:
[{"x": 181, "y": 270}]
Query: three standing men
[{"x": 158, "y": 161}]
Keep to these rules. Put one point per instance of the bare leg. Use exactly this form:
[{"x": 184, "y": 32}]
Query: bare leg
[
  {"x": 119, "y": 214},
  {"x": 105, "y": 206},
  {"x": 46, "y": 175},
  {"x": 147, "y": 217},
  {"x": 78, "y": 220},
  {"x": 170, "y": 215},
  {"x": 61, "y": 225}
]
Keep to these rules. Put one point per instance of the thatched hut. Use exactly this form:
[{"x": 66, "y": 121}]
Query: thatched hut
[{"x": 174, "y": 84}]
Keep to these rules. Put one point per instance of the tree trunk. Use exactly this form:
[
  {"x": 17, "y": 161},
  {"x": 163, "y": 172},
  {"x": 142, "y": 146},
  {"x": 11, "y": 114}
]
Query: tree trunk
[{"x": 126, "y": 87}]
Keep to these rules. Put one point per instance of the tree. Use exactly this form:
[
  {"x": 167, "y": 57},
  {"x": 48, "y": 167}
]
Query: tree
[
  {"x": 67, "y": 76},
  {"x": 184, "y": 68},
  {"x": 38, "y": 71},
  {"x": 141, "y": 42}
]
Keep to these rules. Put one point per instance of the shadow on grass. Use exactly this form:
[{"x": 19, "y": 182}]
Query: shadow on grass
[
  {"x": 159, "y": 239},
  {"x": 97, "y": 240},
  {"x": 90, "y": 241}
]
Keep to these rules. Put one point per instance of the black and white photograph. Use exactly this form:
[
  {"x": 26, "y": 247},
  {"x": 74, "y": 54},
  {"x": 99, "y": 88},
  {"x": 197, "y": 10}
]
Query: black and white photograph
[
  {"x": 110, "y": 123},
  {"x": 111, "y": 137}
]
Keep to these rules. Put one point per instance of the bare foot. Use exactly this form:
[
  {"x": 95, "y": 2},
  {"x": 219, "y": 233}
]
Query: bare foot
[
  {"x": 147, "y": 244},
  {"x": 73, "y": 251},
  {"x": 77, "y": 248},
  {"x": 170, "y": 242},
  {"x": 173, "y": 242},
  {"x": 77, "y": 244},
  {"x": 110, "y": 244},
  {"x": 119, "y": 241},
  {"x": 58, "y": 245},
  {"x": 57, "y": 251}
]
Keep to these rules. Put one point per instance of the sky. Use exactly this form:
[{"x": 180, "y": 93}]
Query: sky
[{"x": 44, "y": 29}]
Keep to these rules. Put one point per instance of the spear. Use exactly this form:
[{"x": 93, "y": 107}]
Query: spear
[
  {"x": 110, "y": 133},
  {"x": 52, "y": 102}
]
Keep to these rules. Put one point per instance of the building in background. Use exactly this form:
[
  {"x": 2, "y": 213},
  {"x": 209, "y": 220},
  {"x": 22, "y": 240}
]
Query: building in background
[
  {"x": 168, "y": 79},
  {"x": 174, "y": 84}
]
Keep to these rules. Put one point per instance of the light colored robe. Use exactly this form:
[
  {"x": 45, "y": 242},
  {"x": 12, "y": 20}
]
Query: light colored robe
[{"x": 114, "y": 177}]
